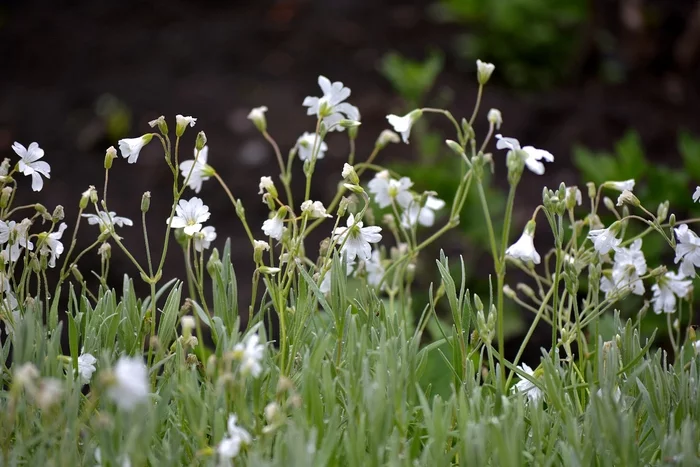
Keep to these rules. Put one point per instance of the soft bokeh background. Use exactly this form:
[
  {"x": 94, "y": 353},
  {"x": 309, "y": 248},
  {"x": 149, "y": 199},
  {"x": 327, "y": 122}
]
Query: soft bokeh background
[{"x": 77, "y": 76}]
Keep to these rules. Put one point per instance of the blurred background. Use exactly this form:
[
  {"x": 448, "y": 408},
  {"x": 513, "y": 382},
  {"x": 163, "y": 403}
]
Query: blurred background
[{"x": 610, "y": 87}]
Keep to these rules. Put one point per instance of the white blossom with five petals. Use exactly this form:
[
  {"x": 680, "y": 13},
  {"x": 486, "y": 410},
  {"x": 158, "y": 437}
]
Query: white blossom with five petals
[
  {"x": 531, "y": 155},
  {"x": 29, "y": 164},
  {"x": 355, "y": 239},
  {"x": 331, "y": 107},
  {"x": 189, "y": 216}
]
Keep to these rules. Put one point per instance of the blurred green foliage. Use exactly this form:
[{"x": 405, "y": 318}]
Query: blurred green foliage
[{"x": 532, "y": 41}]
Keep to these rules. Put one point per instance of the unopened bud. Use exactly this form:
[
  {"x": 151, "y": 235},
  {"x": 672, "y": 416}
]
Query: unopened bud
[
  {"x": 58, "y": 214},
  {"x": 110, "y": 155},
  {"x": 478, "y": 304},
  {"x": 591, "y": 189},
  {"x": 146, "y": 201},
  {"x": 160, "y": 123},
  {"x": 627, "y": 197},
  {"x": 662, "y": 211},
  {"x": 454, "y": 145},
  {"x": 509, "y": 292},
  {"x": 386, "y": 137},
  {"x": 484, "y": 71},
  {"x": 495, "y": 118},
  {"x": 5, "y": 197},
  {"x": 257, "y": 116},
  {"x": 345, "y": 123},
  {"x": 609, "y": 204},
  {"x": 354, "y": 188},
  {"x": 201, "y": 141},
  {"x": 349, "y": 174}
]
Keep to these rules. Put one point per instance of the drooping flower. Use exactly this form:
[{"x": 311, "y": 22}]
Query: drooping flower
[
  {"x": 402, "y": 125},
  {"x": 130, "y": 386},
  {"x": 524, "y": 248},
  {"x": 355, "y": 239},
  {"x": 189, "y": 216},
  {"x": 131, "y": 147},
  {"x": 308, "y": 143},
  {"x": 526, "y": 387},
  {"x": 331, "y": 107},
  {"x": 604, "y": 240},
  {"x": 236, "y": 437},
  {"x": 530, "y": 155},
  {"x": 197, "y": 169},
  {"x": 423, "y": 215},
  {"x": 203, "y": 238},
  {"x": 86, "y": 367},
  {"x": 386, "y": 189},
  {"x": 622, "y": 185},
  {"x": 274, "y": 227},
  {"x": 52, "y": 245},
  {"x": 250, "y": 353},
  {"x": 696, "y": 195},
  {"x": 668, "y": 287},
  {"x": 687, "y": 250},
  {"x": 107, "y": 221},
  {"x": 314, "y": 209},
  {"x": 29, "y": 164},
  {"x": 628, "y": 267}
]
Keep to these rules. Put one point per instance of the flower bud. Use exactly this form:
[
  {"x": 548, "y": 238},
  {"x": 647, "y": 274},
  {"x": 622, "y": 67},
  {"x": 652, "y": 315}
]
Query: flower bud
[
  {"x": 349, "y": 174},
  {"x": 662, "y": 211},
  {"x": 5, "y": 167},
  {"x": 181, "y": 124},
  {"x": 146, "y": 201},
  {"x": 627, "y": 197},
  {"x": 454, "y": 145},
  {"x": 509, "y": 292},
  {"x": 88, "y": 196},
  {"x": 214, "y": 263},
  {"x": 105, "y": 251},
  {"x": 672, "y": 220},
  {"x": 58, "y": 214},
  {"x": 484, "y": 71},
  {"x": 259, "y": 247},
  {"x": 201, "y": 141},
  {"x": 468, "y": 130},
  {"x": 591, "y": 189},
  {"x": 5, "y": 197},
  {"x": 609, "y": 204},
  {"x": 354, "y": 188},
  {"x": 110, "y": 155},
  {"x": 478, "y": 304},
  {"x": 187, "y": 323},
  {"x": 386, "y": 137},
  {"x": 257, "y": 116},
  {"x": 495, "y": 118},
  {"x": 268, "y": 270},
  {"x": 160, "y": 123},
  {"x": 76, "y": 273},
  {"x": 345, "y": 123}
]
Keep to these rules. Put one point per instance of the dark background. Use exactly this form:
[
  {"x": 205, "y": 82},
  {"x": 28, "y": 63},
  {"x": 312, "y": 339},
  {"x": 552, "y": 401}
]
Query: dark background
[{"x": 77, "y": 76}]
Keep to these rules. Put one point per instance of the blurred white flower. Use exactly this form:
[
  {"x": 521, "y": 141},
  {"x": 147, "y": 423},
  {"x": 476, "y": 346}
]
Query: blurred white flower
[
  {"x": 355, "y": 239},
  {"x": 124, "y": 460},
  {"x": 257, "y": 116},
  {"x": 29, "y": 164},
  {"x": 230, "y": 446},
  {"x": 386, "y": 190},
  {"x": 402, "y": 125},
  {"x": 423, "y": 215},
  {"x": 130, "y": 386},
  {"x": 314, "y": 209},
  {"x": 86, "y": 367},
  {"x": 621, "y": 186},
  {"x": 274, "y": 227},
  {"x": 201, "y": 171},
  {"x": 189, "y": 216},
  {"x": 52, "y": 245},
  {"x": 495, "y": 118},
  {"x": 628, "y": 267},
  {"x": 696, "y": 195},
  {"x": 250, "y": 353},
  {"x": 526, "y": 387},
  {"x": 531, "y": 155},
  {"x": 105, "y": 221},
  {"x": 375, "y": 270},
  {"x": 266, "y": 185},
  {"x": 604, "y": 240},
  {"x": 687, "y": 250},
  {"x": 203, "y": 238},
  {"x": 131, "y": 147},
  {"x": 386, "y": 137},
  {"x": 668, "y": 287},
  {"x": 307, "y": 144},
  {"x": 524, "y": 248},
  {"x": 48, "y": 392},
  {"x": 331, "y": 106}
]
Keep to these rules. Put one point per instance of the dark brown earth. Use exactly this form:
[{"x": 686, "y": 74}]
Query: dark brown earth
[{"x": 60, "y": 62}]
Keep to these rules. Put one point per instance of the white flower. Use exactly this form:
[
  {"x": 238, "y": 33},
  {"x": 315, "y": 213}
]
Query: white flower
[
  {"x": 325, "y": 286},
  {"x": 424, "y": 215},
  {"x": 628, "y": 267},
  {"x": 106, "y": 221},
  {"x": 349, "y": 173},
  {"x": 30, "y": 164},
  {"x": 131, "y": 147},
  {"x": 375, "y": 270},
  {"x": 331, "y": 107},
  {"x": 524, "y": 248},
  {"x": 314, "y": 209},
  {"x": 355, "y": 239},
  {"x": 257, "y": 116},
  {"x": 386, "y": 190},
  {"x": 526, "y": 387},
  {"x": 86, "y": 367},
  {"x": 402, "y": 125},
  {"x": 604, "y": 240},
  {"x": 687, "y": 250},
  {"x": 200, "y": 170},
  {"x": 696, "y": 195},
  {"x": 669, "y": 286},
  {"x": 495, "y": 118},
  {"x": 307, "y": 144},
  {"x": 484, "y": 71},
  {"x": 189, "y": 216},
  {"x": 621, "y": 186},
  {"x": 531, "y": 156},
  {"x": 203, "y": 238},
  {"x": 130, "y": 386},
  {"x": 250, "y": 353},
  {"x": 261, "y": 245},
  {"x": 386, "y": 137},
  {"x": 52, "y": 245},
  {"x": 182, "y": 122},
  {"x": 230, "y": 446},
  {"x": 266, "y": 185},
  {"x": 274, "y": 227}
]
